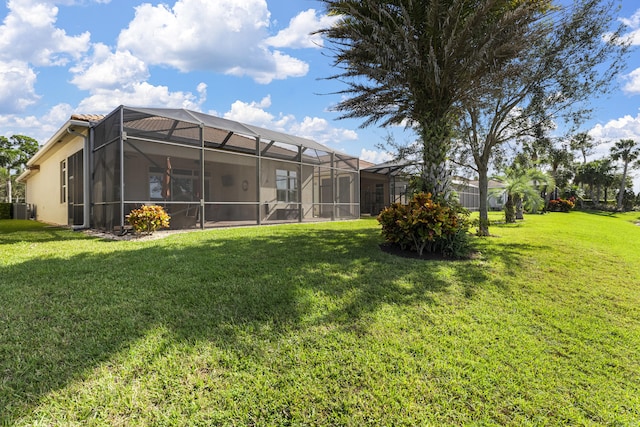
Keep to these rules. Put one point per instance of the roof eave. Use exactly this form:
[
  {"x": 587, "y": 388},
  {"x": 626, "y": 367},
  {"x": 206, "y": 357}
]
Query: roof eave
[{"x": 50, "y": 144}]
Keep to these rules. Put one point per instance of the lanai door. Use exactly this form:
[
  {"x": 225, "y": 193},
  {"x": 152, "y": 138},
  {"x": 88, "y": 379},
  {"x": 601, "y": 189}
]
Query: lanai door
[
  {"x": 326, "y": 198},
  {"x": 75, "y": 187}
]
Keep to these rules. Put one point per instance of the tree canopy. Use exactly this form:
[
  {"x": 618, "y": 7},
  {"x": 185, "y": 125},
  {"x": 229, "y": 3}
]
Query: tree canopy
[
  {"x": 550, "y": 81},
  {"x": 417, "y": 62},
  {"x": 627, "y": 151},
  {"x": 15, "y": 151}
]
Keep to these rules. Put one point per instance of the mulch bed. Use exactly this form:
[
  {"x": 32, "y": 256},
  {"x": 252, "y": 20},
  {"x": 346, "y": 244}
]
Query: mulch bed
[{"x": 130, "y": 235}]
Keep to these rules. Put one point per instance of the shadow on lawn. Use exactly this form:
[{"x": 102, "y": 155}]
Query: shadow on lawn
[
  {"x": 600, "y": 213},
  {"x": 63, "y": 316},
  {"x": 33, "y": 232}
]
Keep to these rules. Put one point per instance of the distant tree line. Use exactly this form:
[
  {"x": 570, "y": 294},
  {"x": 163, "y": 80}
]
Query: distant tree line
[
  {"x": 15, "y": 151},
  {"x": 559, "y": 169}
]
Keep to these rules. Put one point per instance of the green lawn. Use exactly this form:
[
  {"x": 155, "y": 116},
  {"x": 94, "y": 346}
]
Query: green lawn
[{"x": 315, "y": 325}]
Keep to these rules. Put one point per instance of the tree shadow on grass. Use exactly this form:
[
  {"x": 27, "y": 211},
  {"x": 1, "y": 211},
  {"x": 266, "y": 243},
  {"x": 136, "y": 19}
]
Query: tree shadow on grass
[
  {"x": 14, "y": 231},
  {"x": 600, "y": 213},
  {"x": 62, "y": 316}
]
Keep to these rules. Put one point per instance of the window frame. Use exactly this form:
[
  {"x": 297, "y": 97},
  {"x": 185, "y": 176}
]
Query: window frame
[
  {"x": 289, "y": 192},
  {"x": 63, "y": 181}
]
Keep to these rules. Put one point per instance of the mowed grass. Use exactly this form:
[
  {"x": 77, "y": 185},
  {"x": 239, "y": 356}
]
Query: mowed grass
[{"x": 315, "y": 325}]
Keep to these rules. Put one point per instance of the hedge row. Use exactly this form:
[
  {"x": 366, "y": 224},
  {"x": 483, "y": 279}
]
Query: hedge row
[{"x": 5, "y": 210}]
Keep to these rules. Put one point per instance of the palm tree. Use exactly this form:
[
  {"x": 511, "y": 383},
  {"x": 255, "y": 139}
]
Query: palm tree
[
  {"x": 583, "y": 142},
  {"x": 628, "y": 151},
  {"x": 596, "y": 174},
  {"x": 558, "y": 159},
  {"x": 523, "y": 191},
  {"x": 415, "y": 62}
]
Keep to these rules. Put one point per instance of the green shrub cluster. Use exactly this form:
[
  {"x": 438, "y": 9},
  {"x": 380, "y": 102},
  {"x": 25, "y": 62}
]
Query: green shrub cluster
[
  {"x": 425, "y": 224},
  {"x": 148, "y": 219},
  {"x": 5, "y": 210}
]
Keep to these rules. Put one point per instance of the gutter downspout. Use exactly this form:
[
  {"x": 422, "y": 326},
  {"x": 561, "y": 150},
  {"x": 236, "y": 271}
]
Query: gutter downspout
[{"x": 86, "y": 214}]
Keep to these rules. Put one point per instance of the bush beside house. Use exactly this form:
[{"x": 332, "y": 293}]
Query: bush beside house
[{"x": 427, "y": 225}]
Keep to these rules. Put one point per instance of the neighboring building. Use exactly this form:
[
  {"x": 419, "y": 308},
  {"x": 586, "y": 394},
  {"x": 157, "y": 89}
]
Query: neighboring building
[
  {"x": 206, "y": 171},
  {"x": 386, "y": 183},
  {"x": 383, "y": 184},
  {"x": 497, "y": 195},
  {"x": 468, "y": 193}
]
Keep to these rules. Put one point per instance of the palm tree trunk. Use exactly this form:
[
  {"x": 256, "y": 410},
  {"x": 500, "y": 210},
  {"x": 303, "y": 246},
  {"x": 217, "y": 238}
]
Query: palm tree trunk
[
  {"x": 509, "y": 210},
  {"x": 519, "y": 208},
  {"x": 622, "y": 186},
  {"x": 436, "y": 137}
]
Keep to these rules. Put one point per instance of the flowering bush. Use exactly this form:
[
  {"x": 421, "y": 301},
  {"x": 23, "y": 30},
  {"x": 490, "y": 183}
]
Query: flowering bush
[
  {"x": 148, "y": 219},
  {"x": 562, "y": 205},
  {"x": 424, "y": 224}
]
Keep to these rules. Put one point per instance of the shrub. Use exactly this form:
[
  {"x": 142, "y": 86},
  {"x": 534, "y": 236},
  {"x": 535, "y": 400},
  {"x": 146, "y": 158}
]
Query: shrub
[
  {"x": 5, "y": 210},
  {"x": 424, "y": 224},
  {"x": 628, "y": 199},
  {"x": 148, "y": 219},
  {"x": 390, "y": 219},
  {"x": 562, "y": 205}
]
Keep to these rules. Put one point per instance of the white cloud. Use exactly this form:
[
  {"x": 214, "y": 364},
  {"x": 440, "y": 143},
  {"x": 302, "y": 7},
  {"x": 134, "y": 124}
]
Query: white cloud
[
  {"x": 73, "y": 2},
  {"x": 142, "y": 94},
  {"x": 633, "y": 37},
  {"x": 633, "y": 23},
  {"x": 626, "y": 127},
  {"x": 320, "y": 130},
  {"x": 28, "y": 33},
  {"x": 58, "y": 115},
  {"x": 17, "y": 90},
  {"x": 115, "y": 78},
  {"x": 633, "y": 82},
  {"x": 224, "y": 36},
  {"x": 298, "y": 33},
  {"x": 374, "y": 156},
  {"x": 40, "y": 128},
  {"x": 283, "y": 66},
  {"x": 30, "y": 39},
  {"x": 108, "y": 70},
  {"x": 315, "y": 128},
  {"x": 254, "y": 113}
]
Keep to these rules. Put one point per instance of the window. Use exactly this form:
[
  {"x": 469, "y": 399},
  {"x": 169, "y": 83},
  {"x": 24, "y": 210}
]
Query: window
[
  {"x": 287, "y": 186},
  {"x": 63, "y": 181},
  {"x": 155, "y": 186},
  {"x": 179, "y": 185}
]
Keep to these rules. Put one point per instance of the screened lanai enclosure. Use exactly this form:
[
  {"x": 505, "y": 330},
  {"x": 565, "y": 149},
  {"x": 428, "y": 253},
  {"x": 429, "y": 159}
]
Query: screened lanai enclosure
[
  {"x": 210, "y": 172},
  {"x": 388, "y": 183}
]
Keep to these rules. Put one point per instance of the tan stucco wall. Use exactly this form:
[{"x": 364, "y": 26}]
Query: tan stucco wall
[{"x": 43, "y": 186}]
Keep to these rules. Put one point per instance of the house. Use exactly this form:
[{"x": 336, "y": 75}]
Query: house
[
  {"x": 383, "y": 184},
  {"x": 205, "y": 171},
  {"x": 386, "y": 183},
  {"x": 497, "y": 194}
]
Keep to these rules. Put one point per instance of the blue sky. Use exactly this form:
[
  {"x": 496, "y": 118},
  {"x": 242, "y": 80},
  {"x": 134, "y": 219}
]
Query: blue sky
[{"x": 248, "y": 60}]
